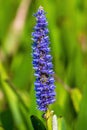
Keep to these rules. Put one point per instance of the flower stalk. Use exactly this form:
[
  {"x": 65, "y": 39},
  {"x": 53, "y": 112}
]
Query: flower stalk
[{"x": 49, "y": 115}]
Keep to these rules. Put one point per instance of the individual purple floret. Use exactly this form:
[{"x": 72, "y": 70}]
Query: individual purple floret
[{"x": 44, "y": 84}]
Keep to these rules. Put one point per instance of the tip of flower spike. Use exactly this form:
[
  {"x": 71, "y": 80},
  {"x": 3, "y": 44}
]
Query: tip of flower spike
[
  {"x": 39, "y": 12},
  {"x": 41, "y": 8}
]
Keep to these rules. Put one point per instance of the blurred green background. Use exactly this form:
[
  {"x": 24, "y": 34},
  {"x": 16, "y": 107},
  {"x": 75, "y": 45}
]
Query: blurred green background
[{"x": 68, "y": 35}]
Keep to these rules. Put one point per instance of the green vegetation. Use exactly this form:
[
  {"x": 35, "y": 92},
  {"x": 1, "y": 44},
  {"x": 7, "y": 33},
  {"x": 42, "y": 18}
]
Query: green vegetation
[{"x": 68, "y": 35}]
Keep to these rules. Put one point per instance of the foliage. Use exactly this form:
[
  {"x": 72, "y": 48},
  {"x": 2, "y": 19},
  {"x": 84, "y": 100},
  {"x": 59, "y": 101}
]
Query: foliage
[{"x": 68, "y": 31}]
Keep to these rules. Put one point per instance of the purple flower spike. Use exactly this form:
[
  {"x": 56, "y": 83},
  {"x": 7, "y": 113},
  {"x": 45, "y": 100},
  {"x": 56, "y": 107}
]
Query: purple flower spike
[{"x": 44, "y": 84}]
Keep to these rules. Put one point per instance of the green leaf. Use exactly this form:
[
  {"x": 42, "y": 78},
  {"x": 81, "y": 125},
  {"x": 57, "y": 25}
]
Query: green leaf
[
  {"x": 76, "y": 97},
  {"x": 1, "y": 128},
  {"x": 12, "y": 100},
  {"x": 37, "y": 123},
  {"x": 81, "y": 123},
  {"x": 61, "y": 124},
  {"x": 6, "y": 119}
]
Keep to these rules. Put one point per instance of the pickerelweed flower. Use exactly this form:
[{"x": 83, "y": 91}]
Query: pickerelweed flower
[{"x": 42, "y": 62}]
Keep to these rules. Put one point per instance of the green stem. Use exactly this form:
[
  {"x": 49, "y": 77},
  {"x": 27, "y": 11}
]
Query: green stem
[{"x": 49, "y": 119}]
